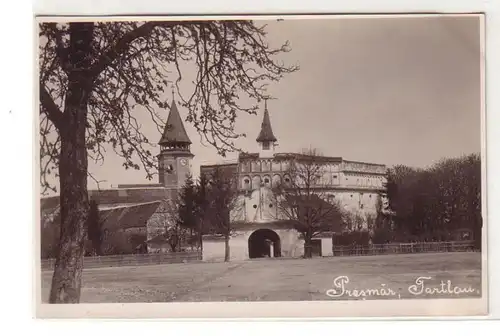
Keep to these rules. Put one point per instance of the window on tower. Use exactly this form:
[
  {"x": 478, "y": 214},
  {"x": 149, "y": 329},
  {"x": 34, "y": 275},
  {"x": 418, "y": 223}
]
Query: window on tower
[{"x": 266, "y": 145}]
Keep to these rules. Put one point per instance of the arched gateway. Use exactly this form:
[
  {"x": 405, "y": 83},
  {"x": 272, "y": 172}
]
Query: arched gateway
[{"x": 264, "y": 243}]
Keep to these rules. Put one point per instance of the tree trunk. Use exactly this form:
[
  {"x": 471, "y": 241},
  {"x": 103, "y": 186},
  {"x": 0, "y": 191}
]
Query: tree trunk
[
  {"x": 200, "y": 236},
  {"x": 307, "y": 246},
  {"x": 226, "y": 250},
  {"x": 66, "y": 281}
]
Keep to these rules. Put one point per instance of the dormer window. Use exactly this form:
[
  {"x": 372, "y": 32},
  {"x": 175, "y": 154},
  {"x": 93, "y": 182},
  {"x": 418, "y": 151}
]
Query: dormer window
[{"x": 266, "y": 145}]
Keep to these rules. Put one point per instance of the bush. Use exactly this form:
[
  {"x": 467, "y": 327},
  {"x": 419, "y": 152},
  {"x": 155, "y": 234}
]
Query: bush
[
  {"x": 382, "y": 236},
  {"x": 351, "y": 238}
]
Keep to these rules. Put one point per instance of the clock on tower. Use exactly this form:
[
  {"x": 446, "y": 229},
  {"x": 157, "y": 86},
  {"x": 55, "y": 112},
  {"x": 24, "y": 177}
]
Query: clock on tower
[{"x": 175, "y": 153}]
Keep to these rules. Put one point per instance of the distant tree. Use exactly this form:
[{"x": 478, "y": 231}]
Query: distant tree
[
  {"x": 202, "y": 206},
  {"x": 221, "y": 201},
  {"x": 431, "y": 204},
  {"x": 173, "y": 232},
  {"x": 187, "y": 207},
  {"x": 94, "y": 229},
  {"x": 302, "y": 198},
  {"x": 380, "y": 224},
  {"x": 173, "y": 237},
  {"x": 93, "y": 76},
  {"x": 354, "y": 220}
]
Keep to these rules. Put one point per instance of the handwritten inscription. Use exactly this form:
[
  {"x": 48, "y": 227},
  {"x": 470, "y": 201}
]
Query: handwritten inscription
[
  {"x": 445, "y": 287},
  {"x": 422, "y": 286},
  {"x": 340, "y": 290}
]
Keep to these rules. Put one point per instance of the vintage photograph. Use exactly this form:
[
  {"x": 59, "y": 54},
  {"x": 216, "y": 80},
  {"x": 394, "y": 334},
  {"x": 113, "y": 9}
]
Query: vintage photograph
[{"x": 261, "y": 159}]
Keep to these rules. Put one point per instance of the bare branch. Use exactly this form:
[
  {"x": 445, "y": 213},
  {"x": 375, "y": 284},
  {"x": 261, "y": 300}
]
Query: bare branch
[{"x": 50, "y": 108}]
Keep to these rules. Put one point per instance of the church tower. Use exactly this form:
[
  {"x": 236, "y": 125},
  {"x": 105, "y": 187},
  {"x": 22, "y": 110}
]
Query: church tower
[
  {"x": 266, "y": 139},
  {"x": 174, "y": 160}
]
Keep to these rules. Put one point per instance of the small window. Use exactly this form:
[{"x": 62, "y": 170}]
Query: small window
[
  {"x": 287, "y": 179},
  {"x": 247, "y": 181},
  {"x": 266, "y": 145},
  {"x": 351, "y": 195},
  {"x": 266, "y": 180},
  {"x": 271, "y": 205},
  {"x": 255, "y": 206}
]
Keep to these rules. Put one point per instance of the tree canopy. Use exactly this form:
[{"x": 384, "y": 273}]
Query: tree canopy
[
  {"x": 304, "y": 199},
  {"x": 98, "y": 81},
  {"x": 129, "y": 66},
  {"x": 434, "y": 203}
]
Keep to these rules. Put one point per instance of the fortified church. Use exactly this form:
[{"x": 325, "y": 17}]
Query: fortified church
[
  {"x": 259, "y": 228},
  {"x": 136, "y": 214}
]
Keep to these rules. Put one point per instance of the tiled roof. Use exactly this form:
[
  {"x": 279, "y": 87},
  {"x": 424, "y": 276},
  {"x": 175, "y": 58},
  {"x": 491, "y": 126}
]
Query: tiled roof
[
  {"x": 174, "y": 131},
  {"x": 132, "y": 196},
  {"x": 128, "y": 216},
  {"x": 109, "y": 197},
  {"x": 123, "y": 217},
  {"x": 266, "y": 131}
]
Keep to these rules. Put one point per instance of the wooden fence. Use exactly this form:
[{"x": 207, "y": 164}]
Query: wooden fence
[
  {"x": 133, "y": 260},
  {"x": 403, "y": 248}
]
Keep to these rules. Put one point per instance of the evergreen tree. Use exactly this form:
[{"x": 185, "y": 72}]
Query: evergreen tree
[
  {"x": 187, "y": 218},
  {"x": 202, "y": 206}
]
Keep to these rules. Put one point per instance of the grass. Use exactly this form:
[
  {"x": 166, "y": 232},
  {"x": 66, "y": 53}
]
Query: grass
[{"x": 278, "y": 279}]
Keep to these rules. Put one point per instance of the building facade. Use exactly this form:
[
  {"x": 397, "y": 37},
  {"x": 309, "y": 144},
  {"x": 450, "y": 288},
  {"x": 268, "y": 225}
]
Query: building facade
[
  {"x": 357, "y": 187},
  {"x": 135, "y": 216},
  {"x": 138, "y": 215}
]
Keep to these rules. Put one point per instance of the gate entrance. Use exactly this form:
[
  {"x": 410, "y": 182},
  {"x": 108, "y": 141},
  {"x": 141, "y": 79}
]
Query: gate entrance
[{"x": 264, "y": 243}]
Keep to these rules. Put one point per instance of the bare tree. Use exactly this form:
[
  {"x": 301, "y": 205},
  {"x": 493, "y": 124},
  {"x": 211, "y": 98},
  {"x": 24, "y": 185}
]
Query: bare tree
[
  {"x": 222, "y": 203},
  {"x": 97, "y": 79},
  {"x": 304, "y": 198},
  {"x": 167, "y": 224}
]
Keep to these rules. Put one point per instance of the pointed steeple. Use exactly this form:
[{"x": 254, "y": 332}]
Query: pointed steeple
[
  {"x": 266, "y": 131},
  {"x": 174, "y": 132}
]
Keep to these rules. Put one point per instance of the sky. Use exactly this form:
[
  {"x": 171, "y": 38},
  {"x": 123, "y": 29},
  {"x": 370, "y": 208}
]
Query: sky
[{"x": 382, "y": 90}]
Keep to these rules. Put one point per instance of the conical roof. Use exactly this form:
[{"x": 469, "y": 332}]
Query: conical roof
[
  {"x": 174, "y": 131},
  {"x": 266, "y": 131}
]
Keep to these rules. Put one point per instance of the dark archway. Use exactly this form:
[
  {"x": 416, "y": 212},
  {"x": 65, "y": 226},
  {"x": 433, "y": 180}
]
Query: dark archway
[{"x": 261, "y": 242}]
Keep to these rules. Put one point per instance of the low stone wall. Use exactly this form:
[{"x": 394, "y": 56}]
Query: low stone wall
[{"x": 132, "y": 260}]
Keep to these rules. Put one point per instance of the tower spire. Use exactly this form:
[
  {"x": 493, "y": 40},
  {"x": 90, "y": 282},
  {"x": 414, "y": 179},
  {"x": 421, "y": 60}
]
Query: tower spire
[
  {"x": 266, "y": 132},
  {"x": 174, "y": 160},
  {"x": 174, "y": 134}
]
